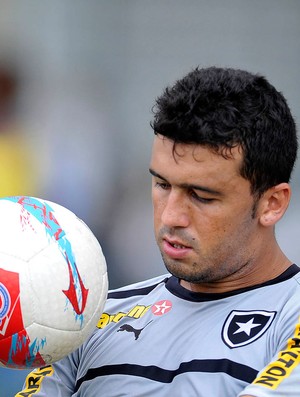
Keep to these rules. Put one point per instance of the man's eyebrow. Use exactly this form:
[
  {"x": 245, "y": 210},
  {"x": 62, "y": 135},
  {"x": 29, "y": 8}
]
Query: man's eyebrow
[
  {"x": 152, "y": 172},
  {"x": 188, "y": 186}
]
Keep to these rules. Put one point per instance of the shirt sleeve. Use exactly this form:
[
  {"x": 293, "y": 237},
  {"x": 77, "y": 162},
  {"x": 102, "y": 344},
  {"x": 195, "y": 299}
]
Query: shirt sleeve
[
  {"x": 56, "y": 380},
  {"x": 281, "y": 376}
]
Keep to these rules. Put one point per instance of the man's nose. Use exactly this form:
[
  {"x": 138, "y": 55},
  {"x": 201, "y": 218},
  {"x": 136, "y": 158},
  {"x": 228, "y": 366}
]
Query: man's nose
[{"x": 176, "y": 211}]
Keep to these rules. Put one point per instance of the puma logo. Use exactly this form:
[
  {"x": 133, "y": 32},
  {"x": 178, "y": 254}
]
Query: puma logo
[{"x": 129, "y": 328}]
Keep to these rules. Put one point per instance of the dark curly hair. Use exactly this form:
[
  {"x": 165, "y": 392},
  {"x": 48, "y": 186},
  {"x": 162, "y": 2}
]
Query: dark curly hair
[{"x": 222, "y": 108}]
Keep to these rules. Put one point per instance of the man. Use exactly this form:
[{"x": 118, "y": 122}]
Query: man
[{"x": 225, "y": 320}]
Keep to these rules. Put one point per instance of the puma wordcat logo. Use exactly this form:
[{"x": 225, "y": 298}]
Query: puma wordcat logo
[{"x": 129, "y": 328}]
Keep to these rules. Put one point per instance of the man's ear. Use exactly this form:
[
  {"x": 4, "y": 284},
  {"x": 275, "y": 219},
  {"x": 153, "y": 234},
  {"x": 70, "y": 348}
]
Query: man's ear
[{"x": 274, "y": 203}]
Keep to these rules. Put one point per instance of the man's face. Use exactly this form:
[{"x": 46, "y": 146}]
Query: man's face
[{"x": 203, "y": 213}]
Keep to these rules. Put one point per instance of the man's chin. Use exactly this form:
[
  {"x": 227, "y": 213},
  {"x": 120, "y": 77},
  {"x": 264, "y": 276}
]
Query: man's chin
[{"x": 178, "y": 270}]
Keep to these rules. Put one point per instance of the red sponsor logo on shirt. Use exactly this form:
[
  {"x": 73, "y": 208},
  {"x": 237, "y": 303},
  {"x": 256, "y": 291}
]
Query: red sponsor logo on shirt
[{"x": 161, "y": 307}]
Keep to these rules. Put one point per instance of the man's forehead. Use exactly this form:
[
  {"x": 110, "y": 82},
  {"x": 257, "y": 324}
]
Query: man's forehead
[
  {"x": 197, "y": 166},
  {"x": 199, "y": 152}
]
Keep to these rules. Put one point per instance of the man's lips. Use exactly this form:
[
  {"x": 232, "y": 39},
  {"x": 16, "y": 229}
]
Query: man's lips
[{"x": 175, "y": 249}]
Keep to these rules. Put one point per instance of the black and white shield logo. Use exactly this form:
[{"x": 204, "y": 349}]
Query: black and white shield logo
[{"x": 244, "y": 327}]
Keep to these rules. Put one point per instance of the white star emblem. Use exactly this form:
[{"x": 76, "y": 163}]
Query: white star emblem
[
  {"x": 246, "y": 327},
  {"x": 161, "y": 308}
]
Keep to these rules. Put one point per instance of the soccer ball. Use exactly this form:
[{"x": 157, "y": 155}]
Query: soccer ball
[{"x": 53, "y": 282}]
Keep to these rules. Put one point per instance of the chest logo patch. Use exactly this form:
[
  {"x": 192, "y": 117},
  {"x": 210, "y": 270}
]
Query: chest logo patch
[
  {"x": 244, "y": 327},
  {"x": 161, "y": 307}
]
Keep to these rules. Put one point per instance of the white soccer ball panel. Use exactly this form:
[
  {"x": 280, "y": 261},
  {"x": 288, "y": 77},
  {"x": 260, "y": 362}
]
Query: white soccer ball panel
[
  {"x": 53, "y": 282},
  {"x": 21, "y": 235}
]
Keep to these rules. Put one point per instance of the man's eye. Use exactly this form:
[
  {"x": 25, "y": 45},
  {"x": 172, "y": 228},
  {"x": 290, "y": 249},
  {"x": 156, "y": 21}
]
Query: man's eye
[
  {"x": 162, "y": 185},
  {"x": 204, "y": 200}
]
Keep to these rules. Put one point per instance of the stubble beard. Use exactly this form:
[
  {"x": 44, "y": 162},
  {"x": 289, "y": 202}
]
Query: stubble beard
[
  {"x": 205, "y": 270},
  {"x": 208, "y": 273},
  {"x": 194, "y": 275}
]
